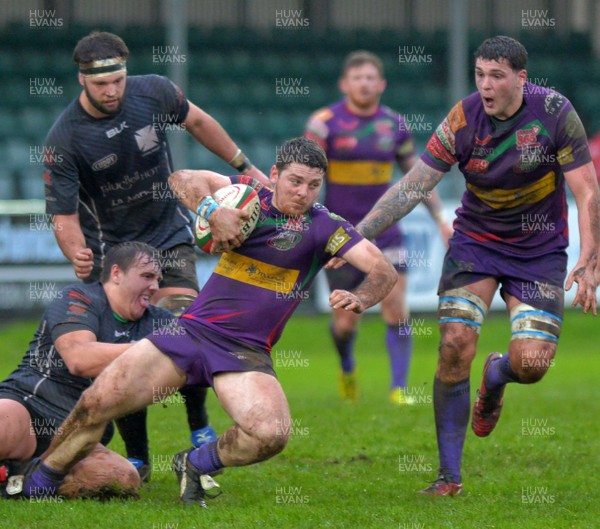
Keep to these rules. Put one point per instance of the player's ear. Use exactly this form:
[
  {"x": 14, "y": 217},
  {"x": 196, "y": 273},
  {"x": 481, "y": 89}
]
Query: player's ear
[
  {"x": 116, "y": 274},
  {"x": 273, "y": 174},
  {"x": 343, "y": 85},
  {"x": 522, "y": 75},
  {"x": 80, "y": 78}
]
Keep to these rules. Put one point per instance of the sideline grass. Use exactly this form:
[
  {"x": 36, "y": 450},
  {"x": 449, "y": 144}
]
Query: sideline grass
[{"x": 359, "y": 466}]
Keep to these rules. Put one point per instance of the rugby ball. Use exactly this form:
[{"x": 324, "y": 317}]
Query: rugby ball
[{"x": 234, "y": 196}]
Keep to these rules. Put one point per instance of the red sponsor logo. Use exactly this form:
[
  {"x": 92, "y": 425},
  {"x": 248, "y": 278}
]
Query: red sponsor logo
[
  {"x": 437, "y": 150},
  {"x": 527, "y": 138},
  {"x": 477, "y": 166},
  {"x": 484, "y": 141},
  {"x": 77, "y": 309},
  {"x": 345, "y": 142}
]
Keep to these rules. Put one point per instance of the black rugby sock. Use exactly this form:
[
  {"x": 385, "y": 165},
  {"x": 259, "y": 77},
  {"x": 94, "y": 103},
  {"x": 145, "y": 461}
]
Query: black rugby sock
[{"x": 134, "y": 432}]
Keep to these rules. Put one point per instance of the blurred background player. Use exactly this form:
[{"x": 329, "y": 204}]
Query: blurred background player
[
  {"x": 81, "y": 332},
  {"x": 362, "y": 139},
  {"x": 227, "y": 339},
  {"x": 106, "y": 182},
  {"x": 516, "y": 144}
]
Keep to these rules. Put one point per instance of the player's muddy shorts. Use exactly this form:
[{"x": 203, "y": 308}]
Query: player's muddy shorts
[
  {"x": 202, "y": 353},
  {"x": 536, "y": 281},
  {"x": 178, "y": 267},
  {"x": 46, "y": 417},
  {"x": 390, "y": 242}
]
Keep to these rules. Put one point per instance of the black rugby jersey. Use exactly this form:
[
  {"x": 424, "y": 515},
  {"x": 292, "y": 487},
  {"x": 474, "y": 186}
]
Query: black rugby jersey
[
  {"x": 114, "y": 170},
  {"x": 77, "y": 308}
]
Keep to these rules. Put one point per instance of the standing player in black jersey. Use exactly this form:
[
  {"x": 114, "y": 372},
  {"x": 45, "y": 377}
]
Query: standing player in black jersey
[
  {"x": 81, "y": 332},
  {"x": 107, "y": 166}
]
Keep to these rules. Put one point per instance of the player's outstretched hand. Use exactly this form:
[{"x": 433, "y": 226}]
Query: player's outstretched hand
[
  {"x": 583, "y": 275},
  {"x": 342, "y": 299},
  {"x": 334, "y": 263},
  {"x": 83, "y": 262},
  {"x": 225, "y": 229}
]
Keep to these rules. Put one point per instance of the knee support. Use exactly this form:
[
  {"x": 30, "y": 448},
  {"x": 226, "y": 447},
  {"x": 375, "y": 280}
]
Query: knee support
[
  {"x": 461, "y": 306},
  {"x": 529, "y": 323},
  {"x": 176, "y": 303}
]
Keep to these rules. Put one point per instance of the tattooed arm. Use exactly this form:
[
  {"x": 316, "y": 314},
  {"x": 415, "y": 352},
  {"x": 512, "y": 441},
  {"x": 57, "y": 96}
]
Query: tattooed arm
[
  {"x": 381, "y": 277},
  {"x": 400, "y": 199},
  {"x": 583, "y": 184}
]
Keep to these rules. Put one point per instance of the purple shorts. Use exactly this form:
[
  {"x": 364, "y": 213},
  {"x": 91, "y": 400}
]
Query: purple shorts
[
  {"x": 202, "y": 353},
  {"x": 390, "y": 242},
  {"x": 537, "y": 281}
]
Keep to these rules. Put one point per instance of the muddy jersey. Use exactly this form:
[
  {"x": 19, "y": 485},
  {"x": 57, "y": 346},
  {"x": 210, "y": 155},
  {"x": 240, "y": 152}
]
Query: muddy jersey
[
  {"x": 113, "y": 171},
  {"x": 76, "y": 308},
  {"x": 514, "y": 170},
  {"x": 254, "y": 289},
  {"x": 361, "y": 151}
]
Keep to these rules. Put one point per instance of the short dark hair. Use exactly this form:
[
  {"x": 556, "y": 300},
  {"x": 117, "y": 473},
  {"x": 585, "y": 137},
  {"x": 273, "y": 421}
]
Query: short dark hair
[
  {"x": 503, "y": 47},
  {"x": 360, "y": 57},
  {"x": 99, "y": 45},
  {"x": 301, "y": 150},
  {"x": 127, "y": 254}
]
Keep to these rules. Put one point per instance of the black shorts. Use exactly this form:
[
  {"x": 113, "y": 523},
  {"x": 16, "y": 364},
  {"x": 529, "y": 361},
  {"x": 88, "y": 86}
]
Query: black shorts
[
  {"x": 46, "y": 417},
  {"x": 178, "y": 267}
]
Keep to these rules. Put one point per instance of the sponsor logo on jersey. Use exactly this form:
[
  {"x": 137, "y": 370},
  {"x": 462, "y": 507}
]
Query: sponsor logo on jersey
[
  {"x": 345, "y": 143},
  {"x": 336, "y": 241},
  {"x": 117, "y": 130},
  {"x": 477, "y": 166},
  {"x": 254, "y": 272},
  {"x": 147, "y": 140},
  {"x": 437, "y": 149},
  {"x": 105, "y": 163},
  {"x": 484, "y": 141},
  {"x": 119, "y": 334},
  {"x": 527, "y": 138},
  {"x": 77, "y": 309}
]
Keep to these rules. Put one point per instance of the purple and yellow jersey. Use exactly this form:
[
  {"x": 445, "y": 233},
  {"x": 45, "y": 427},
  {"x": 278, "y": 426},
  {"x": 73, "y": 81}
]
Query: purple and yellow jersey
[
  {"x": 254, "y": 289},
  {"x": 361, "y": 151},
  {"x": 515, "y": 197}
]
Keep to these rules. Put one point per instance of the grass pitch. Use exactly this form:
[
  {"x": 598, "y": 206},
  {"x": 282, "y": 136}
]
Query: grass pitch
[{"x": 360, "y": 465}]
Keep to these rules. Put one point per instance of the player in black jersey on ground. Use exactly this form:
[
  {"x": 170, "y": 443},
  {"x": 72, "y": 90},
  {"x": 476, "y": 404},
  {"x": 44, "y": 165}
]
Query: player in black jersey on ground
[
  {"x": 107, "y": 164},
  {"x": 81, "y": 332}
]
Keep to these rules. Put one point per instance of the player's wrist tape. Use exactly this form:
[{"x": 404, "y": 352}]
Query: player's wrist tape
[
  {"x": 240, "y": 161},
  {"x": 207, "y": 206}
]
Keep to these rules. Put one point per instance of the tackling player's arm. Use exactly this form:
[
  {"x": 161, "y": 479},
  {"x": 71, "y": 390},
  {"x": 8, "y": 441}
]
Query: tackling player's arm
[
  {"x": 208, "y": 131},
  {"x": 71, "y": 241},
  {"x": 84, "y": 356},
  {"x": 193, "y": 187},
  {"x": 583, "y": 185},
  {"x": 379, "y": 281},
  {"x": 396, "y": 202}
]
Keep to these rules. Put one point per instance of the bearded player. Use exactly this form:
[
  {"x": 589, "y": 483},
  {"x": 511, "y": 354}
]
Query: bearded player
[
  {"x": 107, "y": 166},
  {"x": 362, "y": 139}
]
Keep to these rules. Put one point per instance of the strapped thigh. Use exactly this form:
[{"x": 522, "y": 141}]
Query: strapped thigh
[
  {"x": 529, "y": 323},
  {"x": 458, "y": 305}
]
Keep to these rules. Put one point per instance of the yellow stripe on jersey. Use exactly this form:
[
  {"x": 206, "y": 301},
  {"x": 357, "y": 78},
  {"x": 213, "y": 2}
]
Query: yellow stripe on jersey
[
  {"x": 256, "y": 273},
  {"x": 511, "y": 198},
  {"x": 359, "y": 173}
]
